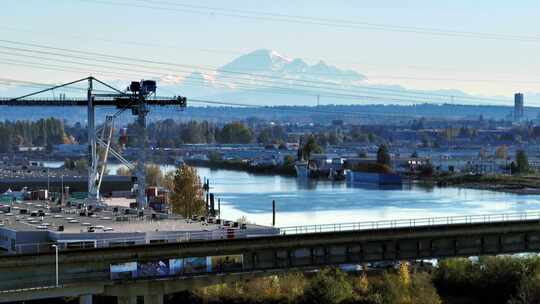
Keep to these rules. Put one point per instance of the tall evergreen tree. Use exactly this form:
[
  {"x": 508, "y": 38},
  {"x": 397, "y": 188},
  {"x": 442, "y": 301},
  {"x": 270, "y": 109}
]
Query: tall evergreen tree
[
  {"x": 186, "y": 192},
  {"x": 383, "y": 156}
]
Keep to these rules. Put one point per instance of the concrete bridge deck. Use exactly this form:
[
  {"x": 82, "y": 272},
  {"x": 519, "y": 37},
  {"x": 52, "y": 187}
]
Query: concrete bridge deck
[{"x": 91, "y": 267}]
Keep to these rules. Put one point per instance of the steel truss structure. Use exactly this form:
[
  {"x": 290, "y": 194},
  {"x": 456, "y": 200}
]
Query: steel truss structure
[{"x": 137, "y": 98}]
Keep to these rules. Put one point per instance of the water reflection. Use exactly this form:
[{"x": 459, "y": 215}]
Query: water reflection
[
  {"x": 308, "y": 202},
  {"x": 323, "y": 201}
]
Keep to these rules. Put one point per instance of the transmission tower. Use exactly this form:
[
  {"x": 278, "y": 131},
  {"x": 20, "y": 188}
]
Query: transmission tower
[{"x": 137, "y": 98}]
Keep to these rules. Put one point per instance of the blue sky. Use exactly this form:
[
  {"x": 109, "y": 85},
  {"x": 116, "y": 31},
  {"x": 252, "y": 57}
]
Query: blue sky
[{"x": 474, "y": 65}]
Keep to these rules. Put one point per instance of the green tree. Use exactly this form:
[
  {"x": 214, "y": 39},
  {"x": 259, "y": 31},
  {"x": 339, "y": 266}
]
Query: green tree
[
  {"x": 327, "y": 287},
  {"x": 288, "y": 162},
  {"x": 383, "y": 156},
  {"x": 154, "y": 176},
  {"x": 404, "y": 288},
  {"x": 522, "y": 162},
  {"x": 186, "y": 192},
  {"x": 214, "y": 156},
  {"x": 265, "y": 136},
  {"x": 235, "y": 133},
  {"x": 311, "y": 146}
]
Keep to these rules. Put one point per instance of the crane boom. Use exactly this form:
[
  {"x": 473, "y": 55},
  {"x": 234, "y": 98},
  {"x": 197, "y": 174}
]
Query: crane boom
[{"x": 137, "y": 98}]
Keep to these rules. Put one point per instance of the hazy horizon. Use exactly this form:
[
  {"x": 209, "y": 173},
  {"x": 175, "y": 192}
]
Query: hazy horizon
[{"x": 481, "y": 48}]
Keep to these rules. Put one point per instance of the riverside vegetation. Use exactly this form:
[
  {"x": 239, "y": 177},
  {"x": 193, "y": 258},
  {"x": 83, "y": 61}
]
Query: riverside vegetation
[
  {"x": 494, "y": 280},
  {"x": 504, "y": 280}
]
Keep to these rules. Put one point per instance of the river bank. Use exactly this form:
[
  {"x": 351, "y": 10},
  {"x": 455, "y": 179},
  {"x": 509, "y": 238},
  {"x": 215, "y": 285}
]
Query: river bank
[
  {"x": 244, "y": 166},
  {"x": 515, "y": 184}
]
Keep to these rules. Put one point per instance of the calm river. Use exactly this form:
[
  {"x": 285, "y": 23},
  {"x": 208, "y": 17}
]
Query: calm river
[{"x": 322, "y": 202}]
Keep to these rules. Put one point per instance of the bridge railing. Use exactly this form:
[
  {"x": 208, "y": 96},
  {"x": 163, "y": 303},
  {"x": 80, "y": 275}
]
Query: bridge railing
[{"x": 411, "y": 223}]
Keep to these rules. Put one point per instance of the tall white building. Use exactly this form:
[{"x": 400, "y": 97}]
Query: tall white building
[{"x": 518, "y": 106}]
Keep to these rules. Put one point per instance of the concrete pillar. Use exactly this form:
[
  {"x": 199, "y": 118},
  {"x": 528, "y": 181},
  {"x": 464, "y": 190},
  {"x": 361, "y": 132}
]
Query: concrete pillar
[
  {"x": 153, "y": 299},
  {"x": 85, "y": 299},
  {"x": 126, "y": 300}
]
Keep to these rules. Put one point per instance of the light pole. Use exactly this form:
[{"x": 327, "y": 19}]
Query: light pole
[
  {"x": 62, "y": 189},
  {"x": 56, "y": 254}
]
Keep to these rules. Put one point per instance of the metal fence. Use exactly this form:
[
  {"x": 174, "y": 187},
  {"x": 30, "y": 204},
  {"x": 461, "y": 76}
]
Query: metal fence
[{"x": 412, "y": 223}]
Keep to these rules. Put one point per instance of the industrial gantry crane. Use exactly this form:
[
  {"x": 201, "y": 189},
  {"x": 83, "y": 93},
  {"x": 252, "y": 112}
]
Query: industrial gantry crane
[{"x": 137, "y": 98}]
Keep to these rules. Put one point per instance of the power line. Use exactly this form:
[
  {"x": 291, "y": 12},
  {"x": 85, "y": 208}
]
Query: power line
[
  {"x": 297, "y": 82},
  {"x": 237, "y": 84},
  {"x": 86, "y": 37},
  {"x": 335, "y": 23},
  {"x": 234, "y": 104}
]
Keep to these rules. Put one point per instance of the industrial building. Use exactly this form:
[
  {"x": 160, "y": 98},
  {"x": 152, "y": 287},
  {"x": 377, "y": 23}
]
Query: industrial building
[{"x": 38, "y": 226}]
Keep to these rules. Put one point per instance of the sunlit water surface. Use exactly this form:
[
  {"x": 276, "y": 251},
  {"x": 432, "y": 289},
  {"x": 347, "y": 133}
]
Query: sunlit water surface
[{"x": 322, "y": 202}]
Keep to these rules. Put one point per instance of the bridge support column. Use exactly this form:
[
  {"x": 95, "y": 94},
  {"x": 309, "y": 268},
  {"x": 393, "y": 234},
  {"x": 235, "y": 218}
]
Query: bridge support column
[
  {"x": 85, "y": 299},
  {"x": 127, "y": 300},
  {"x": 153, "y": 299}
]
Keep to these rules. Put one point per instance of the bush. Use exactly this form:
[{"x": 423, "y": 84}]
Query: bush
[
  {"x": 414, "y": 289},
  {"x": 327, "y": 287},
  {"x": 528, "y": 291},
  {"x": 490, "y": 280},
  {"x": 423, "y": 291}
]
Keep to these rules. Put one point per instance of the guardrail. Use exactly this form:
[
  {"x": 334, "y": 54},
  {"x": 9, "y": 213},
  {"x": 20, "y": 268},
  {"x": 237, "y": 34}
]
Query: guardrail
[{"x": 412, "y": 223}]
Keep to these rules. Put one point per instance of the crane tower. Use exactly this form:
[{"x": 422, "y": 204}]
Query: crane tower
[{"x": 137, "y": 98}]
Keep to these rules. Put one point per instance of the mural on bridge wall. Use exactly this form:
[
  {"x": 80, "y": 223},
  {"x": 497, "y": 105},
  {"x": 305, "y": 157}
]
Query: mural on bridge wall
[
  {"x": 123, "y": 271},
  {"x": 173, "y": 267}
]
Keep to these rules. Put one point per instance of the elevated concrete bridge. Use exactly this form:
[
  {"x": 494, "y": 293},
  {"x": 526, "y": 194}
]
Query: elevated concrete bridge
[{"x": 86, "y": 272}]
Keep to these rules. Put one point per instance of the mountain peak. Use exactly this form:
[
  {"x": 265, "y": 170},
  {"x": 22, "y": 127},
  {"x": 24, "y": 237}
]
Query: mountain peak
[
  {"x": 274, "y": 55},
  {"x": 270, "y": 62},
  {"x": 260, "y": 60}
]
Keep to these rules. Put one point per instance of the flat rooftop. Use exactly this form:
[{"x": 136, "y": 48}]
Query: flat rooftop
[{"x": 45, "y": 216}]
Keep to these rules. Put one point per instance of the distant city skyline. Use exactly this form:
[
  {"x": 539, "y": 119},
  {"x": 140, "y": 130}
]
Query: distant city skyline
[{"x": 485, "y": 48}]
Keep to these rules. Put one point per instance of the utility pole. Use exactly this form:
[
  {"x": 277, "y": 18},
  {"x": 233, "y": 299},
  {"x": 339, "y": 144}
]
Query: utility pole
[
  {"x": 219, "y": 208},
  {"x": 273, "y": 213}
]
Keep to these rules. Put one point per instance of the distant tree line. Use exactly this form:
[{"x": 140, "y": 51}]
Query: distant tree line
[
  {"x": 170, "y": 134},
  {"x": 41, "y": 133}
]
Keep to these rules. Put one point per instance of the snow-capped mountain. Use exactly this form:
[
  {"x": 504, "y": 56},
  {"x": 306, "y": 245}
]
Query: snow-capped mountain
[
  {"x": 266, "y": 77},
  {"x": 268, "y": 62},
  {"x": 261, "y": 73}
]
